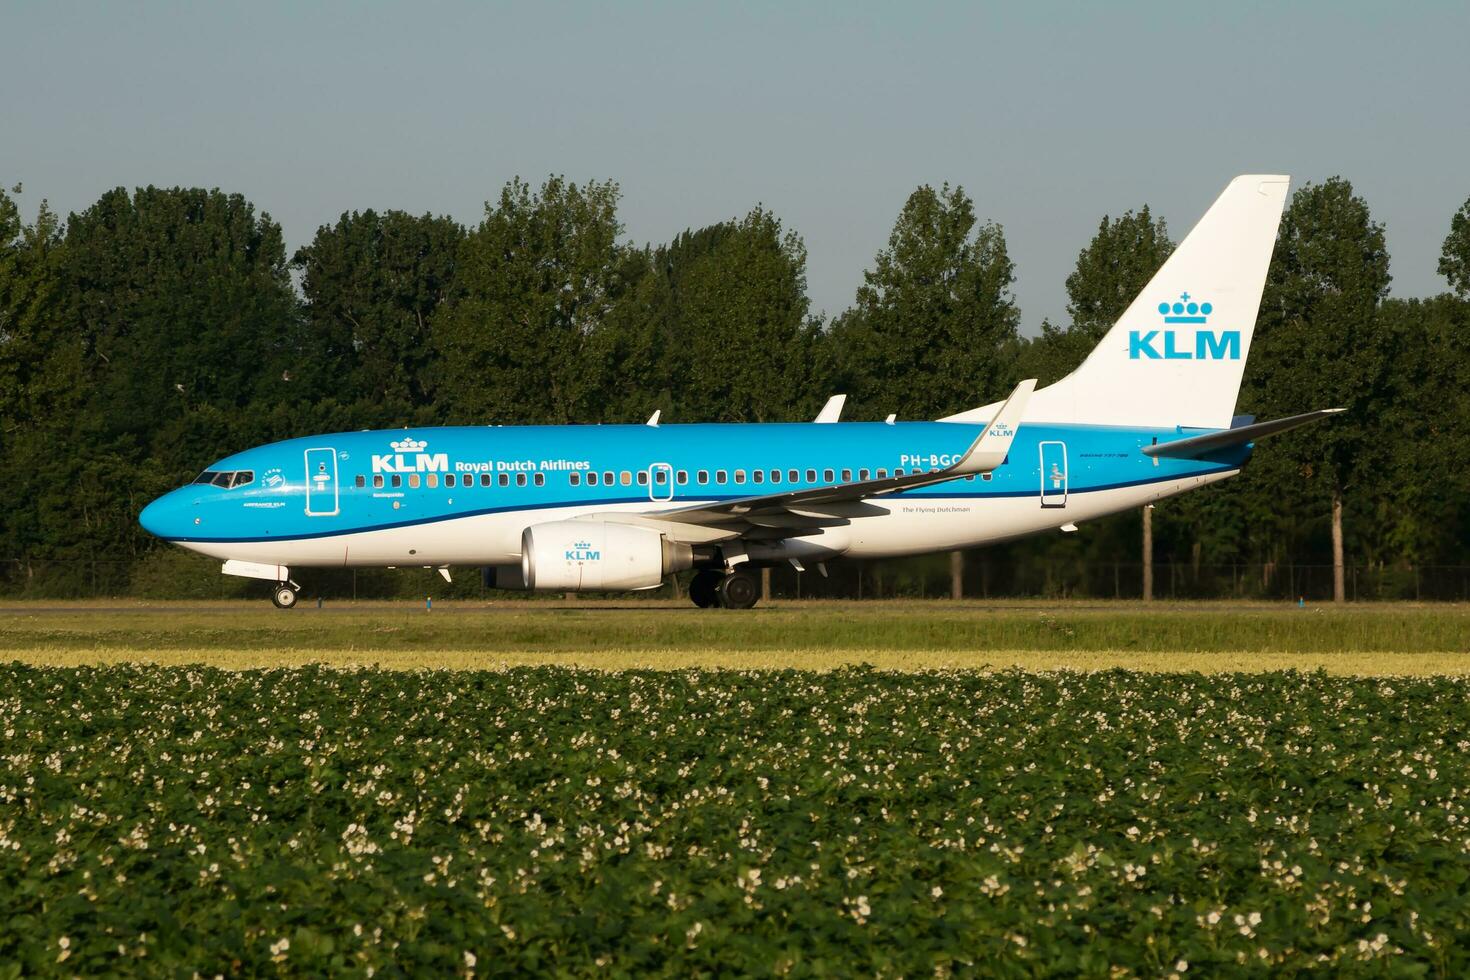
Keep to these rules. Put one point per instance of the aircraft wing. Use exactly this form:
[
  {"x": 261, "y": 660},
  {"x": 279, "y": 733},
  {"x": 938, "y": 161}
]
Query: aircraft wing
[{"x": 986, "y": 453}]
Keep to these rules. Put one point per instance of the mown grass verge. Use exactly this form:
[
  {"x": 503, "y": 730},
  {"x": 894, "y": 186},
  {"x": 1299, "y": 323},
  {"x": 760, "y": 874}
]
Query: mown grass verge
[{"x": 967, "y": 630}]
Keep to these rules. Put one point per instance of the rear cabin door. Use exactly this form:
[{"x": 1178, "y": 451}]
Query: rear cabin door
[
  {"x": 321, "y": 482},
  {"x": 1053, "y": 474}
]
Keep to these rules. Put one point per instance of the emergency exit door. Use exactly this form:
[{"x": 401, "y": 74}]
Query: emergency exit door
[
  {"x": 321, "y": 482},
  {"x": 1053, "y": 474}
]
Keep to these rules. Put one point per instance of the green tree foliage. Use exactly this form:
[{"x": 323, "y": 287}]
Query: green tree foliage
[
  {"x": 1318, "y": 342},
  {"x": 372, "y": 285},
  {"x": 1111, "y": 271},
  {"x": 169, "y": 320},
  {"x": 523, "y": 339},
  {"x": 934, "y": 326},
  {"x": 723, "y": 312},
  {"x": 1454, "y": 259}
]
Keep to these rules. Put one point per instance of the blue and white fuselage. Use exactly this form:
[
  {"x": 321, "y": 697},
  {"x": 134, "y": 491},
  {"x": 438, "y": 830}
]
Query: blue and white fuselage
[{"x": 464, "y": 495}]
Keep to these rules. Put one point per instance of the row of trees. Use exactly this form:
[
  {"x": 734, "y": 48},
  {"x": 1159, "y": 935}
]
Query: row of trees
[{"x": 160, "y": 329}]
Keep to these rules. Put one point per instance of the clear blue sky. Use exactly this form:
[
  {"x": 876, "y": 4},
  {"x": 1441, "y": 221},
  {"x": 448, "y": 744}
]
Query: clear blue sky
[{"x": 1049, "y": 114}]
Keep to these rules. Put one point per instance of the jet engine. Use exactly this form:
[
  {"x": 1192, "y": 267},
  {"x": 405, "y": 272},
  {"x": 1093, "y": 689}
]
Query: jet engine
[{"x": 575, "y": 556}]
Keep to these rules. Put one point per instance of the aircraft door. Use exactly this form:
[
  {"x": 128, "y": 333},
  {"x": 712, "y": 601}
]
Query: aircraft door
[
  {"x": 1053, "y": 474},
  {"x": 660, "y": 482},
  {"x": 321, "y": 482}
]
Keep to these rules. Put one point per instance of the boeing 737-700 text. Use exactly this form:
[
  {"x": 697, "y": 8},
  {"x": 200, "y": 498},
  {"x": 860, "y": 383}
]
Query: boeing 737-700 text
[{"x": 1147, "y": 415}]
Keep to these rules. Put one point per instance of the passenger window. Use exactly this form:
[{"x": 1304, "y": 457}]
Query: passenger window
[
  {"x": 811, "y": 476},
  {"x": 847, "y": 476},
  {"x": 540, "y": 479},
  {"x": 660, "y": 477},
  {"x": 520, "y": 479},
  {"x": 360, "y": 482},
  {"x": 377, "y": 481},
  {"x": 413, "y": 481},
  {"x": 643, "y": 478},
  {"x": 625, "y": 478},
  {"x": 703, "y": 476},
  {"x": 432, "y": 480},
  {"x": 862, "y": 474},
  {"x": 775, "y": 476},
  {"x": 592, "y": 479},
  {"x": 682, "y": 477},
  {"x": 739, "y": 476},
  {"x": 607, "y": 477},
  {"x": 720, "y": 476},
  {"x": 397, "y": 481},
  {"x": 484, "y": 479},
  {"x": 758, "y": 476},
  {"x": 576, "y": 479},
  {"x": 449, "y": 479},
  {"x": 505, "y": 479},
  {"x": 882, "y": 473},
  {"x": 827, "y": 476},
  {"x": 898, "y": 471},
  {"x": 986, "y": 476},
  {"x": 793, "y": 476}
]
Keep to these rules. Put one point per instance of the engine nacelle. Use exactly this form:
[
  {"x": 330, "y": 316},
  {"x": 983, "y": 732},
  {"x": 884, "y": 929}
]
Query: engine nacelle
[{"x": 572, "y": 556}]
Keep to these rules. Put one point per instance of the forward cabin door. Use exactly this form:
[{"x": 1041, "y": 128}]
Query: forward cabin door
[
  {"x": 660, "y": 482},
  {"x": 1053, "y": 474},
  {"x": 321, "y": 482}
]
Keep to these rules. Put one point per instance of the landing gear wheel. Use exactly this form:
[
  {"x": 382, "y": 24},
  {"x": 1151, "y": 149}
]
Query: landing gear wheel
[
  {"x": 704, "y": 589},
  {"x": 284, "y": 596},
  {"x": 739, "y": 590}
]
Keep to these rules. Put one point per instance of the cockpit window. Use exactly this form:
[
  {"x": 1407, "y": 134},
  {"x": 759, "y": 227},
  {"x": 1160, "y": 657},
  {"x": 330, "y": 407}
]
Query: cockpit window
[{"x": 228, "y": 479}]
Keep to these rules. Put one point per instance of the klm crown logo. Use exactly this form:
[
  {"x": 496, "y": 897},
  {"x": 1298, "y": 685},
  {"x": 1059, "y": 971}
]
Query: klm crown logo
[
  {"x": 1186, "y": 310},
  {"x": 1175, "y": 345},
  {"x": 582, "y": 551},
  {"x": 408, "y": 456}
]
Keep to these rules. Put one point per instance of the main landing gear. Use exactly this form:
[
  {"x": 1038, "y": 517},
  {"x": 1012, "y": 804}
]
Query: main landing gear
[
  {"x": 737, "y": 589},
  {"x": 284, "y": 595}
]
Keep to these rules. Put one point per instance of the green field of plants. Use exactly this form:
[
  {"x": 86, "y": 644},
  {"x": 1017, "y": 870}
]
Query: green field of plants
[{"x": 312, "y": 821}]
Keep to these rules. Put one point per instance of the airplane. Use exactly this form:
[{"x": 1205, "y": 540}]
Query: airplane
[{"x": 1147, "y": 415}]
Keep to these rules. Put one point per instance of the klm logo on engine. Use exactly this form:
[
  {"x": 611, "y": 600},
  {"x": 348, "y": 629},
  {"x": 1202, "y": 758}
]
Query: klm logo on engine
[
  {"x": 583, "y": 551},
  {"x": 1170, "y": 344}
]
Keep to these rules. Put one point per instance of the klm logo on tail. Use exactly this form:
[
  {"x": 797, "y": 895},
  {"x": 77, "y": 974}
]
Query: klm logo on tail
[{"x": 1169, "y": 344}]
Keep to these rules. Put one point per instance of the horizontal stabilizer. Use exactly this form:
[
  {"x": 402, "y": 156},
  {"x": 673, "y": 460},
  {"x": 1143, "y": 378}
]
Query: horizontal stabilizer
[{"x": 1196, "y": 446}]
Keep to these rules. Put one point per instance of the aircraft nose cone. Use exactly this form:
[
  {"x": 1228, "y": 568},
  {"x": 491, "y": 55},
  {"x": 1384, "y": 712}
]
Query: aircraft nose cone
[{"x": 163, "y": 517}]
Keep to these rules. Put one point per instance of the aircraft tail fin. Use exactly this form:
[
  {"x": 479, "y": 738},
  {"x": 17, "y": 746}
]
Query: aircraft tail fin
[{"x": 1176, "y": 355}]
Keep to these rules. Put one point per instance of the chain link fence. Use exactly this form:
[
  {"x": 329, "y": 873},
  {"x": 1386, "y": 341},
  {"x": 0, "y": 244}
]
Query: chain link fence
[{"x": 178, "y": 575}]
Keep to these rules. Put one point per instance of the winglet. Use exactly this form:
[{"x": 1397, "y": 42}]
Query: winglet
[
  {"x": 653, "y": 419},
  {"x": 989, "y": 450},
  {"x": 832, "y": 411}
]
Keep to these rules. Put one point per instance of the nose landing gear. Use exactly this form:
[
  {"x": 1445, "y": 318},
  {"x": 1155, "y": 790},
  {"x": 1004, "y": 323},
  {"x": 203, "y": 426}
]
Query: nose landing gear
[
  {"x": 284, "y": 595},
  {"x": 737, "y": 589}
]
